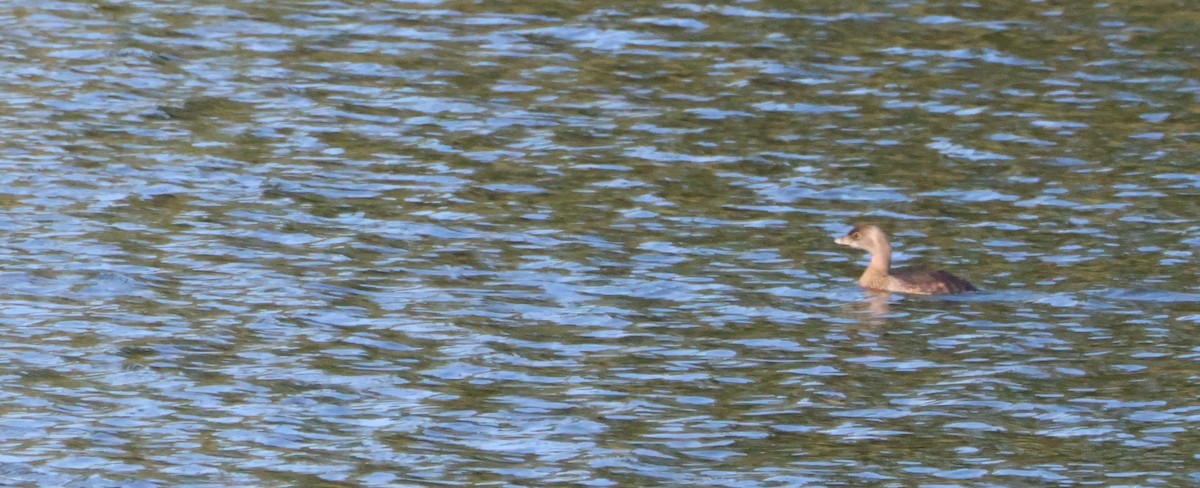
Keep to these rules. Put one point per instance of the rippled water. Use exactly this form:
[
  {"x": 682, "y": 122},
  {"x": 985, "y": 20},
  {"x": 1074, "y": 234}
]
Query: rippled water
[{"x": 540, "y": 243}]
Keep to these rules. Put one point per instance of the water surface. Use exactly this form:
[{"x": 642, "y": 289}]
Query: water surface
[{"x": 587, "y": 243}]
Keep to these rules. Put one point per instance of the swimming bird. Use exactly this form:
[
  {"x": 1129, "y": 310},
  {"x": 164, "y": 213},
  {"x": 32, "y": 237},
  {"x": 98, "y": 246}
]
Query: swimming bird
[{"x": 880, "y": 276}]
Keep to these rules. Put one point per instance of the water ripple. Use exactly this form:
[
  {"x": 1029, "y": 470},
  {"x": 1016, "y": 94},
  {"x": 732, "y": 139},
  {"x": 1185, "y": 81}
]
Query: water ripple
[{"x": 432, "y": 243}]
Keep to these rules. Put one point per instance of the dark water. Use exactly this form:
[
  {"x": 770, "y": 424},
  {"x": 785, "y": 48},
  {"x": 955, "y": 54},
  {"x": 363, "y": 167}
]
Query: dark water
[{"x": 589, "y": 243}]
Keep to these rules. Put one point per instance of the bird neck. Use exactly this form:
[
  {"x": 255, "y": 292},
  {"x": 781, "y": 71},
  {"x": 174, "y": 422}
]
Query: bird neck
[{"x": 881, "y": 261}]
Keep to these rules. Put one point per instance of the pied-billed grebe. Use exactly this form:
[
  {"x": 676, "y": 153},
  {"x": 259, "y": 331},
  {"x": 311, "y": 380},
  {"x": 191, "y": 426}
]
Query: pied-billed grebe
[{"x": 880, "y": 276}]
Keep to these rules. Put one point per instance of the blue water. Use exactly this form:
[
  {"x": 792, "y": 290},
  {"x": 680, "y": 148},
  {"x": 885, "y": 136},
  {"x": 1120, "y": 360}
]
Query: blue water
[{"x": 538, "y": 243}]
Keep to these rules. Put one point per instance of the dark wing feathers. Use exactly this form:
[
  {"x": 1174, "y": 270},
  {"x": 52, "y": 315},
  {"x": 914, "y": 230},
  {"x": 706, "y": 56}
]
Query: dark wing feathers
[{"x": 932, "y": 281}]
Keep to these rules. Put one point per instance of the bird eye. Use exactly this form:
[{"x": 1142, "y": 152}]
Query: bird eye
[{"x": 856, "y": 236}]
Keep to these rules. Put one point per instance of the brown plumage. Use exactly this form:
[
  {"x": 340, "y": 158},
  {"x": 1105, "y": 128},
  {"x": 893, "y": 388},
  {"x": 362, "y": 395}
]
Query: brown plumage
[{"x": 880, "y": 276}]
